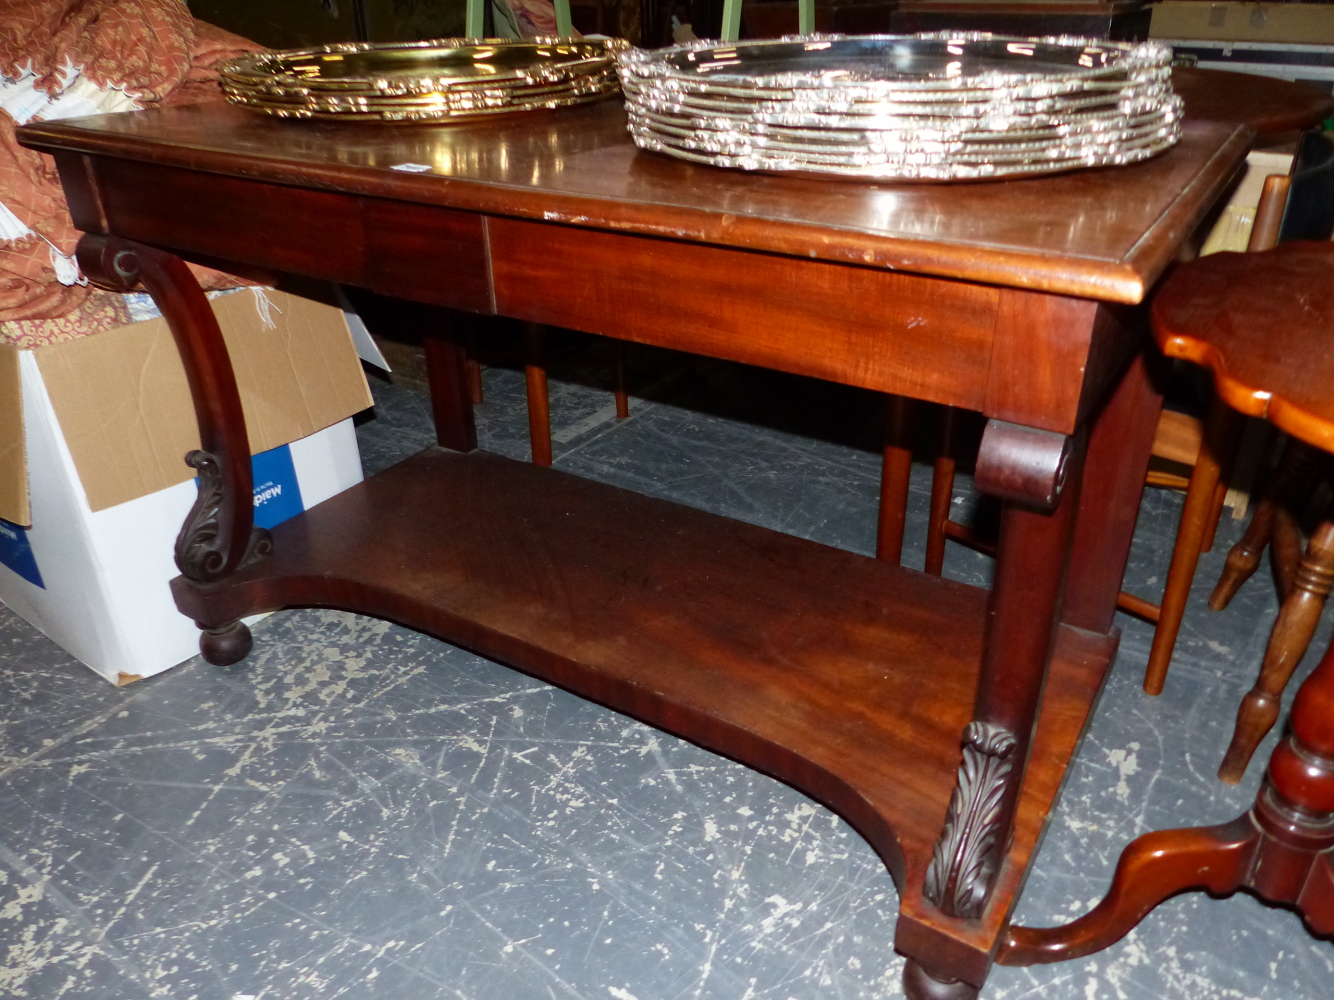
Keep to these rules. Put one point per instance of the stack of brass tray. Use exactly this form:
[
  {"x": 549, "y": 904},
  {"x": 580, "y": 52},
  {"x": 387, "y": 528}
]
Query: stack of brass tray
[
  {"x": 424, "y": 81},
  {"x": 947, "y": 106}
]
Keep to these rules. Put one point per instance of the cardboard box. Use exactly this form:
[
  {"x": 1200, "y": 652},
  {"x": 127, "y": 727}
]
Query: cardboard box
[
  {"x": 93, "y": 489},
  {"x": 1299, "y": 23}
]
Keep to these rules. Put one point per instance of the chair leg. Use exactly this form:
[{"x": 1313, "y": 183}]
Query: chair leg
[
  {"x": 622, "y": 397},
  {"x": 942, "y": 493},
  {"x": 1222, "y": 425},
  {"x": 1227, "y": 468},
  {"x": 539, "y": 413},
  {"x": 1294, "y": 468},
  {"x": 473, "y": 370},
  {"x": 1285, "y": 550},
  {"x": 1288, "y": 643},
  {"x": 894, "y": 476}
]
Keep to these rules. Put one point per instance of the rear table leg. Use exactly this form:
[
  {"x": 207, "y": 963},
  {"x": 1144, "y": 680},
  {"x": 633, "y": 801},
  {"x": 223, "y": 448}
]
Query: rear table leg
[{"x": 895, "y": 473}]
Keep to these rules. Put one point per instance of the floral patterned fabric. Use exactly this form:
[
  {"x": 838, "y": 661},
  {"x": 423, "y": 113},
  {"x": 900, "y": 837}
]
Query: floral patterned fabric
[
  {"x": 60, "y": 58},
  {"x": 525, "y": 18}
]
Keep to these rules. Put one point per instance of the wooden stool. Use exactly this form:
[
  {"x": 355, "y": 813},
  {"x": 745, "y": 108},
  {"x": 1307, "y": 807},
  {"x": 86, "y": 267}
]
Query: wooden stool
[{"x": 1262, "y": 323}]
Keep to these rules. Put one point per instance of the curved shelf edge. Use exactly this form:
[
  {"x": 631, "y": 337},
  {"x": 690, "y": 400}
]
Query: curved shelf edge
[{"x": 805, "y": 662}]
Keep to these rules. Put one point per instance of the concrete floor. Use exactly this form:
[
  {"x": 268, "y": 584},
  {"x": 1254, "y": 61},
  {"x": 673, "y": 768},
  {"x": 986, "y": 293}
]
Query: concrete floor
[{"x": 361, "y": 811}]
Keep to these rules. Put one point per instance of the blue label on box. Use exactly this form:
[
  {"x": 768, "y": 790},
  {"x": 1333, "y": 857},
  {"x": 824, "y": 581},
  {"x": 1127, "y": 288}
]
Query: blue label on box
[
  {"x": 16, "y": 553},
  {"x": 277, "y": 496}
]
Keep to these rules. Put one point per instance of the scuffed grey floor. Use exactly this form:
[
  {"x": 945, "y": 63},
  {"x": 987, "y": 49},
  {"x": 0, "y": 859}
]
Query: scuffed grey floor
[{"x": 360, "y": 811}]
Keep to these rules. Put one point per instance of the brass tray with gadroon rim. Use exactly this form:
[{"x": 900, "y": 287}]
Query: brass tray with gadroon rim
[{"x": 424, "y": 81}]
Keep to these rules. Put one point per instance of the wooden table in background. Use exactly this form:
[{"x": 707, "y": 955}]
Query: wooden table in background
[
  {"x": 1268, "y": 105},
  {"x": 853, "y": 680}
]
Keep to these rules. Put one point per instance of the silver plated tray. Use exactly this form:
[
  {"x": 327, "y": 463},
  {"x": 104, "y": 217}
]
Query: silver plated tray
[
  {"x": 943, "y": 106},
  {"x": 936, "y": 61}
]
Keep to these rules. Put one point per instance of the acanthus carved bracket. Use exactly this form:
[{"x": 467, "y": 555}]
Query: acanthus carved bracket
[{"x": 967, "y": 854}]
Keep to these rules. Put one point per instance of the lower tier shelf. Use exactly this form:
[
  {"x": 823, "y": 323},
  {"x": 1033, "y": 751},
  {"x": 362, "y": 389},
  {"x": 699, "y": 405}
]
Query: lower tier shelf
[{"x": 848, "y": 678}]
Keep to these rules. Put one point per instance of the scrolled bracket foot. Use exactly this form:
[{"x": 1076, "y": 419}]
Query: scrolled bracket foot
[
  {"x": 226, "y": 645},
  {"x": 918, "y": 984},
  {"x": 202, "y": 547},
  {"x": 1023, "y": 464}
]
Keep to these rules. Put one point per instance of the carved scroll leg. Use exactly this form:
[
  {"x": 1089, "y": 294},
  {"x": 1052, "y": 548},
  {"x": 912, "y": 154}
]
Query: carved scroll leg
[
  {"x": 894, "y": 478},
  {"x": 942, "y": 493},
  {"x": 1152, "y": 868},
  {"x": 1296, "y": 624},
  {"x": 219, "y": 535},
  {"x": 1294, "y": 468},
  {"x": 1027, "y": 469}
]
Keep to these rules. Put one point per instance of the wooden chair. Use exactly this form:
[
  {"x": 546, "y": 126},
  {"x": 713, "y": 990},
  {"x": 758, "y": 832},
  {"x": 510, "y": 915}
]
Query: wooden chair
[
  {"x": 1297, "y": 206},
  {"x": 535, "y": 372},
  {"x": 1262, "y": 323}
]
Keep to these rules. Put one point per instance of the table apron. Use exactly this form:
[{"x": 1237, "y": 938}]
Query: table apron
[{"x": 1024, "y": 356}]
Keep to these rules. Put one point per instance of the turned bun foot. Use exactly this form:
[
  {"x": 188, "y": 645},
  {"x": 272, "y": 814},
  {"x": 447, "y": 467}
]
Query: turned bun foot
[
  {"x": 226, "y": 645},
  {"x": 918, "y": 984}
]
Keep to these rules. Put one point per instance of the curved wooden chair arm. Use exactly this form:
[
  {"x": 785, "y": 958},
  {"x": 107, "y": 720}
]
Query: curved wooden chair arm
[{"x": 1269, "y": 353}]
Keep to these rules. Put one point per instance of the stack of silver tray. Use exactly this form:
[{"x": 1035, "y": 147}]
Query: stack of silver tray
[
  {"x": 946, "y": 106},
  {"x": 424, "y": 81}
]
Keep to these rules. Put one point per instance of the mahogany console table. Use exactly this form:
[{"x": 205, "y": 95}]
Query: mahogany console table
[{"x": 937, "y": 718}]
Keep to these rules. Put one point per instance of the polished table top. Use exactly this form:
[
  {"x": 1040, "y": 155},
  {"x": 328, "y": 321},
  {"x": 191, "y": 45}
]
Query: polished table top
[{"x": 1104, "y": 234}]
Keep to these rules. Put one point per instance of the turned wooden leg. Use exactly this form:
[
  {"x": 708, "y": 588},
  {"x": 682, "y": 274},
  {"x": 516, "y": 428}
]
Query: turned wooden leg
[
  {"x": 1227, "y": 463},
  {"x": 1296, "y": 624},
  {"x": 539, "y": 414},
  {"x": 894, "y": 476},
  {"x": 918, "y": 984},
  {"x": 1222, "y": 425},
  {"x": 1282, "y": 850},
  {"x": 1028, "y": 470},
  {"x": 942, "y": 493},
  {"x": 1294, "y": 469},
  {"x": 622, "y": 397},
  {"x": 1285, "y": 550},
  {"x": 225, "y": 645}
]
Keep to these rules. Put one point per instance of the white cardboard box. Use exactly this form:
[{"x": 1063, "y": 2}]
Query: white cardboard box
[{"x": 94, "y": 575}]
